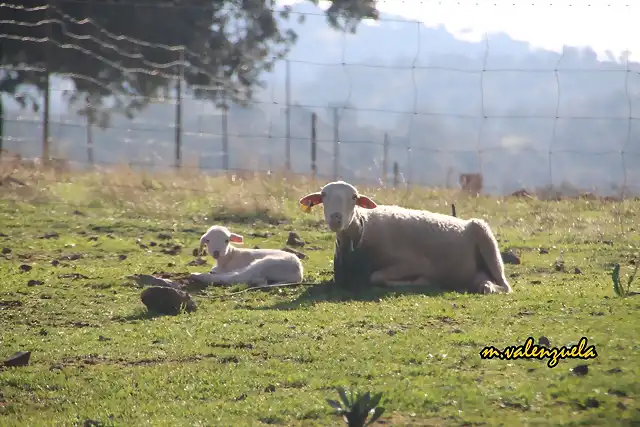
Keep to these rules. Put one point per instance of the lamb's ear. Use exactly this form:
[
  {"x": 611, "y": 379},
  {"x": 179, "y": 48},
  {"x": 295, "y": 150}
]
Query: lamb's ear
[
  {"x": 365, "y": 202},
  {"x": 310, "y": 200},
  {"x": 203, "y": 242},
  {"x": 236, "y": 238}
]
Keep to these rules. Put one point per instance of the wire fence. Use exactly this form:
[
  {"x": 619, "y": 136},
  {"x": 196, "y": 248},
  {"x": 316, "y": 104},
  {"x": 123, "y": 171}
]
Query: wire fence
[{"x": 433, "y": 112}]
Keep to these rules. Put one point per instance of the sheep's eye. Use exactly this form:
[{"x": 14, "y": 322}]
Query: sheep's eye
[
  {"x": 355, "y": 197},
  {"x": 226, "y": 241}
]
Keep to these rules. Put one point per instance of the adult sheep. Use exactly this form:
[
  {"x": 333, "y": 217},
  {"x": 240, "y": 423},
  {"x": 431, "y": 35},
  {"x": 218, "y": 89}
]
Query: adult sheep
[
  {"x": 414, "y": 246},
  {"x": 255, "y": 267}
]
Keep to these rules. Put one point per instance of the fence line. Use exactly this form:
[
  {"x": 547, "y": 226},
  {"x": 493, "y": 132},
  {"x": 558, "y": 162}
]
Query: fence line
[{"x": 399, "y": 149}]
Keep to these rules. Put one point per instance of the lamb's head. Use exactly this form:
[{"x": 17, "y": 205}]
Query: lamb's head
[
  {"x": 339, "y": 200},
  {"x": 217, "y": 239}
]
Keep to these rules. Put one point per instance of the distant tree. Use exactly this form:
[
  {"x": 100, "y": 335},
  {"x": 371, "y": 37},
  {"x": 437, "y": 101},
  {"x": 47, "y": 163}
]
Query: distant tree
[{"x": 129, "y": 50}]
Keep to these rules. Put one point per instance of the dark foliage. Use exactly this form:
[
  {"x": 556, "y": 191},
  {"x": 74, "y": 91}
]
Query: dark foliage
[
  {"x": 352, "y": 268},
  {"x": 132, "y": 49},
  {"x": 358, "y": 409}
]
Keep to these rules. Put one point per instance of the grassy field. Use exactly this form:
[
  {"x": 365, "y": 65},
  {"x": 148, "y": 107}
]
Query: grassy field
[{"x": 274, "y": 357}]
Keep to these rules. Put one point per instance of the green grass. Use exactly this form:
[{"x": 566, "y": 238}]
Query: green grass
[{"x": 274, "y": 357}]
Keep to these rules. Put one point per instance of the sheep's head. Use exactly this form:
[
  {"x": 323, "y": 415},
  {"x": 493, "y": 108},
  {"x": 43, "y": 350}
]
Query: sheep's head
[
  {"x": 339, "y": 200},
  {"x": 217, "y": 240}
]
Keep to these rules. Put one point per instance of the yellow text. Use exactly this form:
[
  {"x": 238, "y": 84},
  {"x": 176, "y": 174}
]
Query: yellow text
[{"x": 533, "y": 351}]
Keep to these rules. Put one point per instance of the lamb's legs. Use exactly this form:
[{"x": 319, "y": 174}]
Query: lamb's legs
[
  {"x": 216, "y": 278},
  {"x": 252, "y": 274},
  {"x": 230, "y": 278},
  {"x": 207, "y": 278},
  {"x": 399, "y": 274}
]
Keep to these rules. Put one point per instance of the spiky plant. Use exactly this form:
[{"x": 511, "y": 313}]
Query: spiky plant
[{"x": 357, "y": 410}]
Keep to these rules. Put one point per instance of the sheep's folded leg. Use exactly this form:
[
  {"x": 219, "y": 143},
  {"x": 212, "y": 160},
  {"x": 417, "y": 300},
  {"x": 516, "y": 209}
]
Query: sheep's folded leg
[
  {"x": 258, "y": 281},
  {"x": 484, "y": 285},
  {"x": 399, "y": 274},
  {"x": 488, "y": 249},
  {"x": 418, "y": 281}
]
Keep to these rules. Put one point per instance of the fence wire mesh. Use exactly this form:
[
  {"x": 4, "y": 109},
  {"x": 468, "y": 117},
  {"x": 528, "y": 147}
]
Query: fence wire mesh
[{"x": 438, "y": 112}]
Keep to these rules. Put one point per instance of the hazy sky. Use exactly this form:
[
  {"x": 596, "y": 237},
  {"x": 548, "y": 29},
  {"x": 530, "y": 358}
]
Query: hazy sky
[{"x": 602, "y": 24}]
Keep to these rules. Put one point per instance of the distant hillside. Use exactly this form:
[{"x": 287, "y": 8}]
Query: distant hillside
[{"x": 437, "y": 111}]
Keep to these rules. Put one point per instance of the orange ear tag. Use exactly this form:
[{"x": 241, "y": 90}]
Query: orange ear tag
[{"x": 307, "y": 208}]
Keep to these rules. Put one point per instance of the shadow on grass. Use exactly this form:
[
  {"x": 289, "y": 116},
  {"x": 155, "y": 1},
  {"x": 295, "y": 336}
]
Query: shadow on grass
[
  {"x": 328, "y": 291},
  {"x": 351, "y": 282},
  {"x": 139, "y": 315},
  {"x": 145, "y": 315}
]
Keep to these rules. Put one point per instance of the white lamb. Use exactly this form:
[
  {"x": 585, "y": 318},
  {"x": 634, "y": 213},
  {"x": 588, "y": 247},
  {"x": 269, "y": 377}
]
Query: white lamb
[
  {"x": 414, "y": 246},
  {"x": 255, "y": 267}
]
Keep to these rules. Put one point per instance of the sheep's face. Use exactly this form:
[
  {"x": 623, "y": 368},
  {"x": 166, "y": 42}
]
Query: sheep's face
[
  {"x": 217, "y": 240},
  {"x": 339, "y": 200}
]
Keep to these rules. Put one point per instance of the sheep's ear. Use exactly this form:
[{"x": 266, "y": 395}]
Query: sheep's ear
[
  {"x": 365, "y": 202},
  {"x": 236, "y": 238},
  {"x": 310, "y": 200}
]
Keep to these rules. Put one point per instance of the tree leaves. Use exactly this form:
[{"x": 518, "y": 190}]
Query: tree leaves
[{"x": 132, "y": 51}]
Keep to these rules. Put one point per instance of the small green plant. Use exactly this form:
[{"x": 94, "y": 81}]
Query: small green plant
[
  {"x": 356, "y": 408},
  {"x": 618, "y": 287}
]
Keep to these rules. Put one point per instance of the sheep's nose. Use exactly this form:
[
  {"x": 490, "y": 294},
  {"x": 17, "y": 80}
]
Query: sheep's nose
[
  {"x": 336, "y": 218},
  {"x": 215, "y": 254}
]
